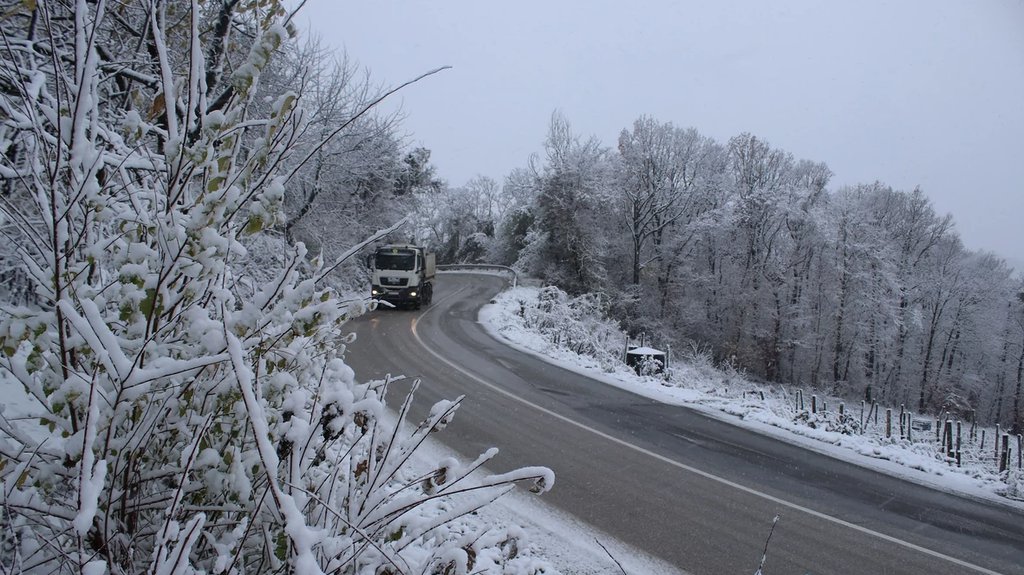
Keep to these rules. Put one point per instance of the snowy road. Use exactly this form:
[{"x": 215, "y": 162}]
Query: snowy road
[{"x": 692, "y": 490}]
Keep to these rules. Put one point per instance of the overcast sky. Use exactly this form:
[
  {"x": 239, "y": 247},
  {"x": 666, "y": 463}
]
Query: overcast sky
[{"x": 911, "y": 93}]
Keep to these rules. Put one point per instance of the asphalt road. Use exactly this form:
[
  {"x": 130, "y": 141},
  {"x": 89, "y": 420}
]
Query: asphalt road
[{"x": 692, "y": 490}]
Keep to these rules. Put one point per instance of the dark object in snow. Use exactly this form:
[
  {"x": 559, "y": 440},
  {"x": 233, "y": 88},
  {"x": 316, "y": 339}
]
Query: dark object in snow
[
  {"x": 646, "y": 360},
  {"x": 921, "y": 425}
]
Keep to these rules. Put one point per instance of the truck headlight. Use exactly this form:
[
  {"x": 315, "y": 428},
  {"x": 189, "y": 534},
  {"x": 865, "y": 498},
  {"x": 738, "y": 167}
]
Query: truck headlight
[{"x": 412, "y": 293}]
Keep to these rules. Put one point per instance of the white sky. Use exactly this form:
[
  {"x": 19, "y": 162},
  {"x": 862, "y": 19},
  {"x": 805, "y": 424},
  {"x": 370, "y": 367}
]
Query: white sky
[{"x": 908, "y": 92}]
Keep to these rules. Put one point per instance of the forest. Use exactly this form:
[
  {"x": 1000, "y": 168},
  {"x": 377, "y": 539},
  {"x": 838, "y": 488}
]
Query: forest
[{"x": 740, "y": 249}]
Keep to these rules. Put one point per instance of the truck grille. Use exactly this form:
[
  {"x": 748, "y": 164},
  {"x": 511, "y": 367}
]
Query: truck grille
[{"x": 394, "y": 282}]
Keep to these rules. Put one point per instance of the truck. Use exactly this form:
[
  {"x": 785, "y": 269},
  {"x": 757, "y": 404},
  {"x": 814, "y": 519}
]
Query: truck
[{"x": 402, "y": 274}]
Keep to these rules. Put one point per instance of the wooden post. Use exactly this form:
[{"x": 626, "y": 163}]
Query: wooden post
[
  {"x": 874, "y": 407},
  {"x": 959, "y": 443},
  {"x": 903, "y": 411},
  {"x": 910, "y": 426},
  {"x": 947, "y": 440},
  {"x": 981, "y": 448},
  {"x": 888, "y": 423},
  {"x": 814, "y": 403},
  {"x": 1004, "y": 461},
  {"x": 997, "y": 445},
  {"x": 842, "y": 408},
  {"x": 1020, "y": 451},
  {"x": 862, "y": 404}
]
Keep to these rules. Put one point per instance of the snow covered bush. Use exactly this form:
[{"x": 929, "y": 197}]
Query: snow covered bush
[
  {"x": 576, "y": 323},
  {"x": 833, "y": 422},
  {"x": 192, "y": 408},
  {"x": 1014, "y": 479}
]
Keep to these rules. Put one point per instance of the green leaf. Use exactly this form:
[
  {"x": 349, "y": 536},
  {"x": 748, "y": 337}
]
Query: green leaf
[
  {"x": 255, "y": 225},
  {"x": 147, "y": 305}
]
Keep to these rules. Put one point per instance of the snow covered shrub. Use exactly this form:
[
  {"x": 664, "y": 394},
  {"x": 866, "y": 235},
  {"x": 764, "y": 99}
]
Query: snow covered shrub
[
  {"x": 192, "y": 409},
  {"x": 843, "y": 423},
  {"x": 575, "y": 323},
  {"x": 1014, "y": 479},
  {"x": 650, "y": 366}
]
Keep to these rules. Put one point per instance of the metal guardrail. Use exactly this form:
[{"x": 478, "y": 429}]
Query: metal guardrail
[{"x": 481, "y": 267}]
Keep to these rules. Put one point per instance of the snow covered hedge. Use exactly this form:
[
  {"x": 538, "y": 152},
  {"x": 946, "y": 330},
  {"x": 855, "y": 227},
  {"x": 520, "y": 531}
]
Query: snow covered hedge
[{"x": 188, "y": 414}]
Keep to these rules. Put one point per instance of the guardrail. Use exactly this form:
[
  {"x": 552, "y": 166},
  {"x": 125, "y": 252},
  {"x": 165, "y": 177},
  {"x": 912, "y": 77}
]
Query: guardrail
[{"x": 481, "y": 267}]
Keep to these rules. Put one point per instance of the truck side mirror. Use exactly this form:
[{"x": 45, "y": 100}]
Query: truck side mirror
[{"x": 369, "y": 261}]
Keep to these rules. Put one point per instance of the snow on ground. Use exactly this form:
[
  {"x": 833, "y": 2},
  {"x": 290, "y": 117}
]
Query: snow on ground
[
  {"x": 572, "y": 547},
  {"x": 728, "y": 396}
]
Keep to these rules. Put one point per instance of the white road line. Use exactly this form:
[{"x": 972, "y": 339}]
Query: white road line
[{"x": 705, "y": 474}]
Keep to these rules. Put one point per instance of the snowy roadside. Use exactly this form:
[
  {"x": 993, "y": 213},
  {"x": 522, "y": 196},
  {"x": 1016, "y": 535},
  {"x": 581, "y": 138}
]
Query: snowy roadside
[
  {"x": 567, "y": 544},
  {"x": 730, "y": 398}
]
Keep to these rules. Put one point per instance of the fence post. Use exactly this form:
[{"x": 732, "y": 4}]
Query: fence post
[
  {"x": 814, "y": 403},
  {"x": 1020, "y": 451},
  {"x": 910, "y": 427},
  {"x": 996, "y": 437},
  {"x": 948, "y": 440},
  {"x": 888, "y": 422},
  {"x": 959, "y": 443},
  {"x": 874, "y": 407},
  {"x": 903, "y": 411},
  {"x": 1004, "y": 461},
  {"x": 842, "y": 408},
  {"x": 862, "y": 404}
]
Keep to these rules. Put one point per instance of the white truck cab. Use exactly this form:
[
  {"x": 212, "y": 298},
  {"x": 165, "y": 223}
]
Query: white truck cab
[{"x": 403, "y": 274}]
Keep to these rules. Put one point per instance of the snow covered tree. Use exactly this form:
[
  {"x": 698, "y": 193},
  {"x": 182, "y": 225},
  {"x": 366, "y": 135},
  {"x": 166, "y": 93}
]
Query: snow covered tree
[
  {"x": 192, "y": 411},
  {"x": 459, "y": 222},
  {"x": 353, "y": 153},
  {"x": 571, "y": 186},
  {"x": 658, "y": 180}
]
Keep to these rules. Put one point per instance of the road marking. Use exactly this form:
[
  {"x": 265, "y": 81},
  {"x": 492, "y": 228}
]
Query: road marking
[{"x": 702, "y": 473}]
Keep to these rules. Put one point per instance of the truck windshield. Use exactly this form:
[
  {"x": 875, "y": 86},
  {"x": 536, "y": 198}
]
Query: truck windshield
[{"x": 395, "y": 260}]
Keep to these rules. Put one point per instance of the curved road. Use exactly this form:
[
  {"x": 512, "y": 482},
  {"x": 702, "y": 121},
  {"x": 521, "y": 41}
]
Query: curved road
[{"x": 694, "y": 491}]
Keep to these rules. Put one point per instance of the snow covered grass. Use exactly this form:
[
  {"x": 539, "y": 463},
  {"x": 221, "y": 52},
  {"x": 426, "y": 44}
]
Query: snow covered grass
[{"x": 574, "y": 335}]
